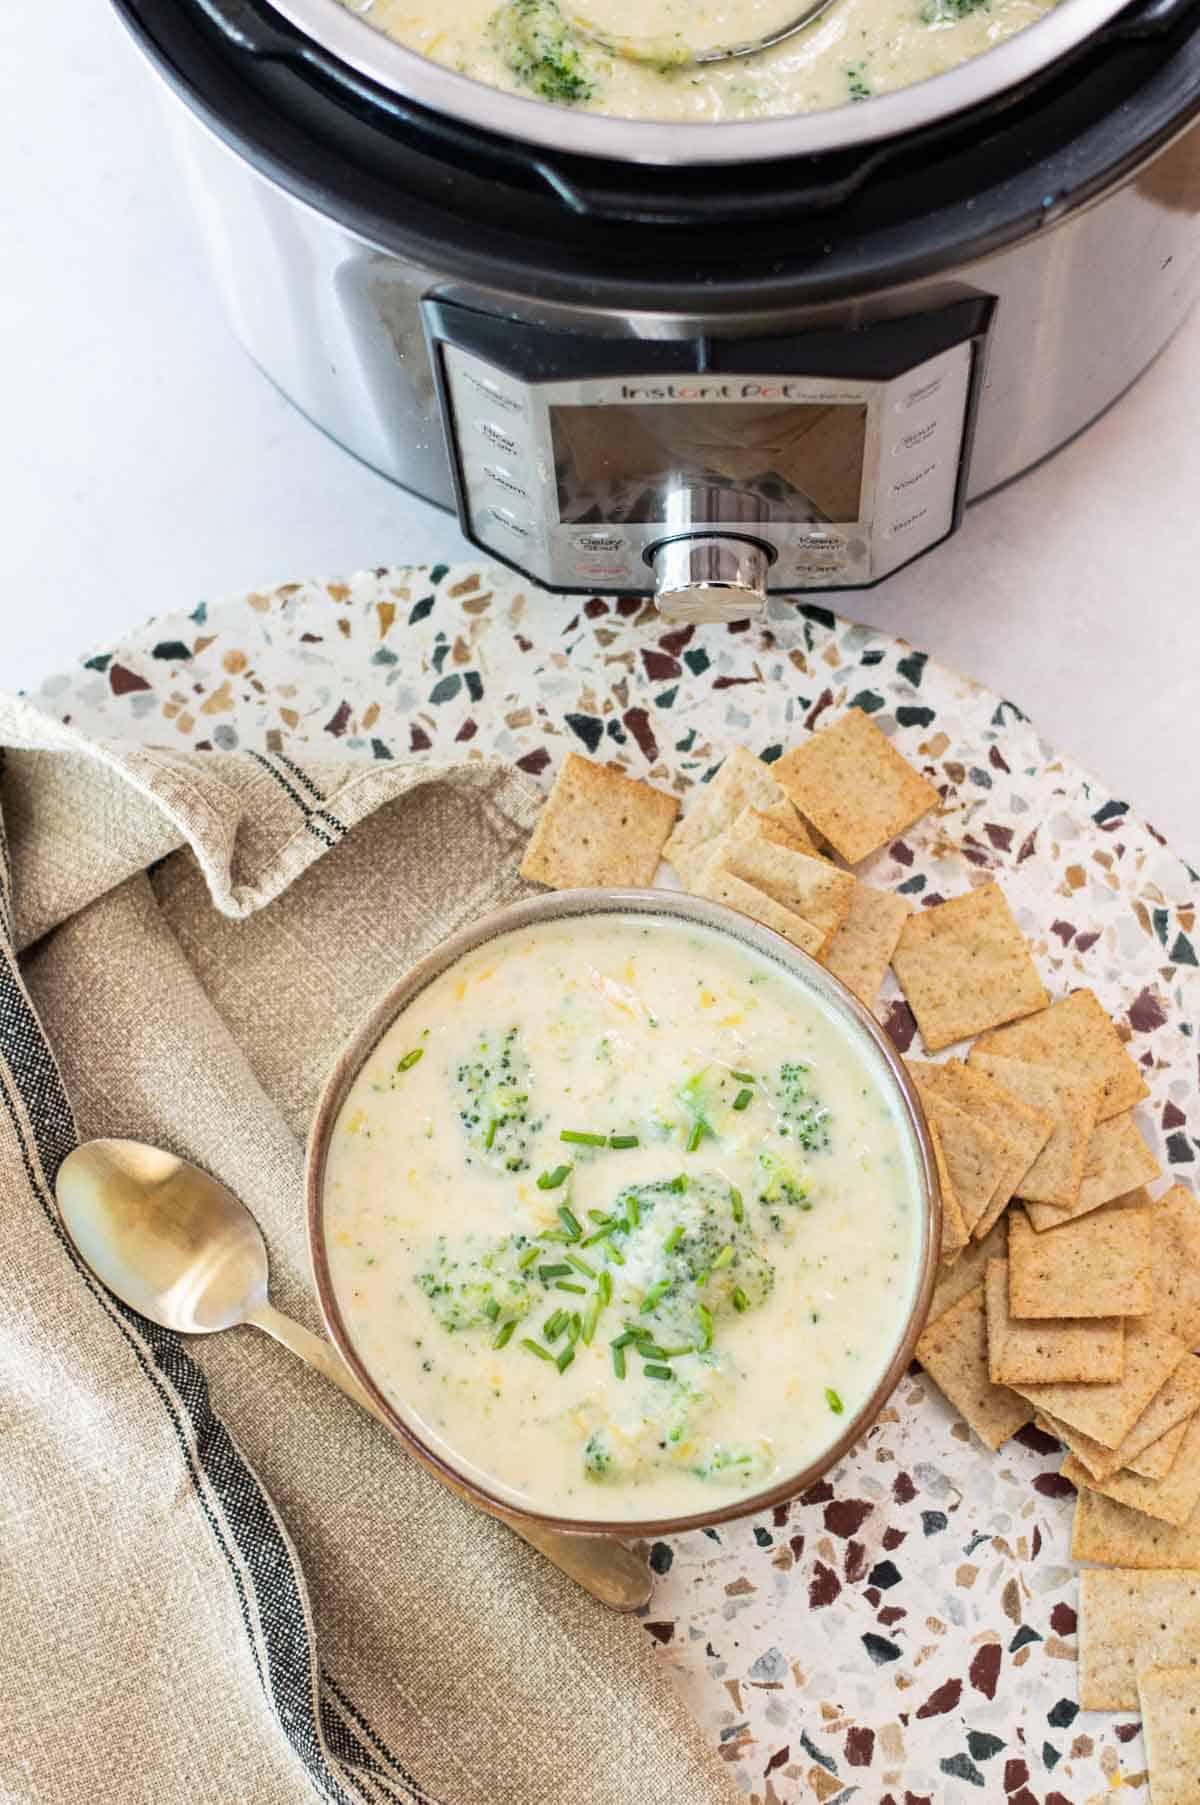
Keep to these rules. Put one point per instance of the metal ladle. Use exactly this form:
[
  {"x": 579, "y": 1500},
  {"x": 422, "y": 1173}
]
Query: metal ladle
[
  {"x": 668, "y": 52},
  {"x": 179, "y": 1247}
]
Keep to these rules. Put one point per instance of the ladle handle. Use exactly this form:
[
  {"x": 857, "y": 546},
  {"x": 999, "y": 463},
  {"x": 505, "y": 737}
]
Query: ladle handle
[{"x": 604, "y": 1568}]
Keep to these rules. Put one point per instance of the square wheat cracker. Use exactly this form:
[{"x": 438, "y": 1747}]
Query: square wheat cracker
[
  {"x": 1076, "y": 1034},
  {"x": 810, "y": 887},
  {"x": 1098, "y": 1265},
  {"x": 965, "y": 965},
  {"x": 1128, "y": 1622},
  {"x": 861, "y": 950},
  {"x": 1057, "y": 1172},
  {"x": 1024, "y": 1131},
  {"x": 1172, "y": 1406},
  {"x": 1169, "y": 1700},
  {"x": 1071, "y": 1350},
  {"x": 974, "y": 1156},
  {"x": 598, "y": 828},
  {"x": 1115, "y": 1536},
  {"x": 1107, "y": 1412},
  {"x": 855, "y": 788},
  {"x": 781, "y": 825},
  {"x": 1175, "y": 1239},
  {"x": 954, "y": 1228},
  {"x": 743, "y": 781},
  {"x": 968, "y": 1270},
  {"x": 1160, "y": 1456},
  {"x": 723, "y": 887},
  {"x": 1116, "y": 1162},
  {"x": 1171, "y": 1499},
  {"x": 953, "y": 1352}
]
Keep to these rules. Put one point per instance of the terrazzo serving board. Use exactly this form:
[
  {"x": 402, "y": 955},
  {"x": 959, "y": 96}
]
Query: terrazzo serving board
[{"x": 905, "y": 1632}]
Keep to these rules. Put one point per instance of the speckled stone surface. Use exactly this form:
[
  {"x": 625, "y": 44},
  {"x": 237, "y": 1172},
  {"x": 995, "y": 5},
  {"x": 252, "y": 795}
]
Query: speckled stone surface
[{"x": 905, "y": 1633}]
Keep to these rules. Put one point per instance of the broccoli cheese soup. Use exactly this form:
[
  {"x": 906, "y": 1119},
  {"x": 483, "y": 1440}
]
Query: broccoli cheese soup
[
  {"x": 555, "y": 49},
  {"x": 622, "y": 1218}
]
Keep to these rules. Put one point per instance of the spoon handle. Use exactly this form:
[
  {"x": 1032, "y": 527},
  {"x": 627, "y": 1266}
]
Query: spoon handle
[{"x": 602, "y": 1566}]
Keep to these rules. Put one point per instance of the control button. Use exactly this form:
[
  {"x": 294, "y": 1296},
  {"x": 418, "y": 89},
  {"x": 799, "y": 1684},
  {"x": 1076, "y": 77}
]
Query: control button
[
  {"x": 913, "y": 479},
  {"x": 499, "y": 438},
  {"x": 503, "y": 397},
  {"x": 906, "y": 522},
  {"x": 504, "y": 479},
  {"x": 915, "y": 437},
  {"x": 600, "y": 542},
  {"x": 924, "y": 391},
  {"x": 506, "y": 518}
]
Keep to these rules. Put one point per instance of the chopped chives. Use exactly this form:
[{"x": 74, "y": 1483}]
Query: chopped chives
[
  {"x": 654, "y": 1294},
  {"x": 599, "y": 1216},
  {"x": 833, "y": 1401},
  {"x": 736, "y": 1204},
  {"x": 565, "y": 1358},
  {"x": 724, "y": 1257},
  {"x": 614, "y": 1253},
  {"x": 743, "y": 1077},
  {"x": 633, "y": 1210},
  {"x": 604, "y": 1286},
  {"x": 410, "y": 1059},
  {"x": 491, "y": 1133},
  {"x": 695, "y": 1137},
  {"x": 554, "y": 1325},
  {"x": 574, "y": 1327},
  {"x": 740, "y": 1300},
  {"x": 671, "y": 1353},
  {"x": 589, "y": 1272},
  {"x": 618, "y": 1359},
  {"x": 566, "y": 1285},
  {"x": 623, "y": 1339},
  {"x": 577, "y": 1137},
  {"x": 536, "y": 1348},
  {"x": 679, "y": 1184},
  {"x": 591, "y": 1318},
  {"x": 504, "y": 1333},
  {"x": 657, "y": 1372},
  {"x": 569, "y": 1222},
  {"x": 546, "y": 1273},
  {"x": 743, "y": 1099},
  {"x": 621, "y": 1141},
  {"x": 491, "y": 1309},
  {"x": 704, "y": 1317},
  {"x": 528, "y": 1257},
  {"x": 550, "y": 1181},
  {"x": 674, "y": 1238},
  {"x": 601, "y": 1234},
  {"x": 650, "y": 1350}
]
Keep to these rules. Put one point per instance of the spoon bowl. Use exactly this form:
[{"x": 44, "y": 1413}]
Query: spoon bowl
[
  {"x": 176, "y": 1245},
  {"x": 601, "y": 23}
]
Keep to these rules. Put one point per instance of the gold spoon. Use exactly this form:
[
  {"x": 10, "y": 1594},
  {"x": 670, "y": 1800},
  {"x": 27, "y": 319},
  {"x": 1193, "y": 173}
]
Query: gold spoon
[
  {"x": 671, "y": 50},
  {"x": 177, "y": 1246}
]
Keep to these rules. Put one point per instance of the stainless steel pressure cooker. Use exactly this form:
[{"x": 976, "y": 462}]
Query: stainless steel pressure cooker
[{"x": 704, "y": 362}]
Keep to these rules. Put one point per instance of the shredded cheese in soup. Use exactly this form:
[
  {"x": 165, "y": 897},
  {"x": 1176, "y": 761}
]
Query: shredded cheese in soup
[
  {"x": 554, "y": 49},
  {"x": 623, "y": 1218}
]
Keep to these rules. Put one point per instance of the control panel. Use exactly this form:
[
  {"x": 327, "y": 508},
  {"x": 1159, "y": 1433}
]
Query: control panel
[{"x": 584, "y": 461}]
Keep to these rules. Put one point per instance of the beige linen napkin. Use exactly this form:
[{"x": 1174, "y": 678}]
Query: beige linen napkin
[{"x": 219, "y": 1581}]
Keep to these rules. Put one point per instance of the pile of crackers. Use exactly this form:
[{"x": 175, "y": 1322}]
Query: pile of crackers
[{"x": 1067, "y": 1297}]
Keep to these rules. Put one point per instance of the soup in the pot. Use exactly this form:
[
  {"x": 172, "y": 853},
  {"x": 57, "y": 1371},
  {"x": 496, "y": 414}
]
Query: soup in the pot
[
  {"x": 623, "y": 1219},
  {"x": 549, "y": 48}
]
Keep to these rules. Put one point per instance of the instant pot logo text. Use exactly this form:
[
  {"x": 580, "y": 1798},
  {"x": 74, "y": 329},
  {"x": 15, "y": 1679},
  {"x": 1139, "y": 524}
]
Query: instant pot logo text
[{"x": 710, "y": 391}]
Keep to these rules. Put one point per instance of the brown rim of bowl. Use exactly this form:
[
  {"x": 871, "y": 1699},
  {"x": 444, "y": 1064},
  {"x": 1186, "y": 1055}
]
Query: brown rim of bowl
[{"x": 565, "y": 904}]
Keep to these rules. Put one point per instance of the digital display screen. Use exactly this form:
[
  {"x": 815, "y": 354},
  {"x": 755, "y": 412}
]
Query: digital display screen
[{"x": 803, "y": 460}]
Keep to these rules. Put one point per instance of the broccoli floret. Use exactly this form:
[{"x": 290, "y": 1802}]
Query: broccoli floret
[
  {"x": 740, "y": 1462},
  {"x": 494, "y": 1101},
  {"x": 688, "y": 1245},
  {"x": 802, "y": 1117},
  {"x": 780, "y": 1183},
  {"x": 478, "y": 1284},
  {"x": 948, "y": 12},
  {"x": 542, "y": 51},
  {"x": 598, "y": 1456}
]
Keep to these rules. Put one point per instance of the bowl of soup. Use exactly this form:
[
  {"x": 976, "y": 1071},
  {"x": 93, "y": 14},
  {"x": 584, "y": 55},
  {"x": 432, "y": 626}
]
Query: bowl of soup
[{"x": 624, "y": 1212}]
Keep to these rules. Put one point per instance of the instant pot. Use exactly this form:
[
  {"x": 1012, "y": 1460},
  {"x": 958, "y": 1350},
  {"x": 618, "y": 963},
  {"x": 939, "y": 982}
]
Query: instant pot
[{"x": 706, "y": 362}]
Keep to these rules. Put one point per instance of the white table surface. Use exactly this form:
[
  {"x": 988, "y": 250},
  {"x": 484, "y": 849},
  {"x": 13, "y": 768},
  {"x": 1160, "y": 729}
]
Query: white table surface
[{"x": 144, "y": 463}]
